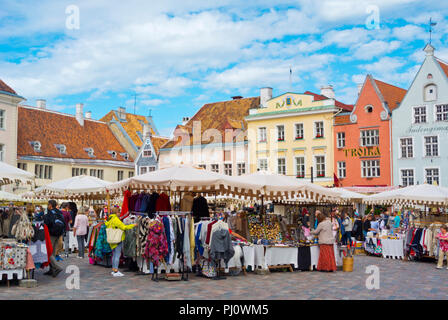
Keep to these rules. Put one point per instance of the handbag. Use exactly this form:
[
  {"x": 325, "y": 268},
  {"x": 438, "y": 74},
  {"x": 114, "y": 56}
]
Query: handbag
[
  {"x": 378, "y": 248},
  {"x": 114, "y": 235}
]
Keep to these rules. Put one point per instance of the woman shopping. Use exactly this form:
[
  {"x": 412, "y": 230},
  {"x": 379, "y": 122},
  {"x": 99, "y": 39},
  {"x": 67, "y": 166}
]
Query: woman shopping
[
  {"x": 80, "y": 230},
  {"x": 114, "y": 222},
  {"x": 324, "y": 231}
]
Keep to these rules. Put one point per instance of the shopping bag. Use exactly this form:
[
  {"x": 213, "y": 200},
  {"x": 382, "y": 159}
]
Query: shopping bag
[{"x": 113, "y": 235}]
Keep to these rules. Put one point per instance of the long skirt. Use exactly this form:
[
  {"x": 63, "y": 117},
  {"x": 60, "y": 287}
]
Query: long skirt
[{"x": 326, "y": 262}]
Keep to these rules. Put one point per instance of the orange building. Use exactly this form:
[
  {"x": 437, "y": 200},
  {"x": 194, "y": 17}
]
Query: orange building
[{"x": 362, "y": 138}]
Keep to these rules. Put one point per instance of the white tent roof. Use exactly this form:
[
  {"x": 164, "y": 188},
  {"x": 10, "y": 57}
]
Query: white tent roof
[
  {"x": 75, "y": 187},
  {"x": 349, "y": 195},
  {"x": 6, "y": 196},
  {"x": 422, "y": 194},
  {"x": 10, "y": 174},
  {"x": 277, "y": 186}
]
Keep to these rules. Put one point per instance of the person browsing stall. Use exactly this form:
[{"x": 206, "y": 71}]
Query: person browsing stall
[
  {"x": 324, "y": 232},
  {"x": 80, "y": 230}
]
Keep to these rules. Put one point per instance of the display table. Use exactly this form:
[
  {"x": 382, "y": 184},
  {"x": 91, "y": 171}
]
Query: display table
[
  {"x": 281, "y": 257},
  {"x": 392, "y": 248}
]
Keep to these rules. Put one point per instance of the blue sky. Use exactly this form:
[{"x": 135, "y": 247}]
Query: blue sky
[{"x": 177, "y": 55}]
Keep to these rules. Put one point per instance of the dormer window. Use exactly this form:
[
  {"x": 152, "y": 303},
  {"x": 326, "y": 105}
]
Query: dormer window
[
  {"x": 369, "y": 109},
  {"x": 430, "y": 92},
  {"x": 61, "y": 148},
  {"x": 36, "y": 146},
  {"x": 147, "y": 153},
  {"x": 113, "y": 154},
  {"x": 125, "y": 156},
  {"x": 90, "y": 152}
]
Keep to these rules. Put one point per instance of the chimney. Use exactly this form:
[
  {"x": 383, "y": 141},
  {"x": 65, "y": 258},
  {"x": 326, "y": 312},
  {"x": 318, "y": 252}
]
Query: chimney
[
  {"x": 79, "y": 113},
  {"x": 41, "y": 103},
  {"x": 122, "y": 113},
  {"x": 89, "y": 115},
  {"x": 359, "y": 85},
  {"x": 146, "y": 131},
  {"x": 327, "y": 91},
  {"x": 265, "y": 95},
  {"x": 185, "y": 120}
]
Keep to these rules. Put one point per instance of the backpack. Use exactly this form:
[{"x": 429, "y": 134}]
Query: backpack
[{"x": 55, "y": 223}]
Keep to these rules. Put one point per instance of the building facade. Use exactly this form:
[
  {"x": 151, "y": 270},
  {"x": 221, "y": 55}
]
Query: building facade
[
  {"x": 362, "y": 138},
  {"x": 292, "y": 134},
  {"x": 56, "y": 146},
  {"x": 215, "y": 138},
  {"x": 420, "y": 127},
  {"x": 137, "y": 133}
]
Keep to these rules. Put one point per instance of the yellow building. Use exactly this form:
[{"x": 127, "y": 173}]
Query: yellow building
[{"x": 292, "y": 134}]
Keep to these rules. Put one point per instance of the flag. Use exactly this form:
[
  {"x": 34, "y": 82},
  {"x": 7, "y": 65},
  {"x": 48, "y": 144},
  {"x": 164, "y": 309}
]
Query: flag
[{"x": 336, "y": 180}]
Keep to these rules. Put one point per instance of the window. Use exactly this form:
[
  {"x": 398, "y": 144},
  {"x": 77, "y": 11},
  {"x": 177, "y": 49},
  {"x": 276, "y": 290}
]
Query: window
[
  {"x": 406, "y": 148},
  {"x": 342, "y": 173},
  {"x": 120, "y": 175},
  {"x": 281, "y": 166},
  {"x": 147, "y": 153},
  {"x": 407, "y": 177},
  {"x": 228, "y": 169},
  {"x": 281, "y": 133},
  {"x": 22, "y": 166},
  {"x": 227, "y": 155},
  {"x": 202, "y": 166},
  {"x": 370, "y": 168},
  {"x": 341, "y": 139},
  {"x": 430, "y": 92},
  {"x": 130, "y": 174},
  {"x": 125, "y": 155},
  {"x": 263, "y": 164},
  {"x": 90, "y": 152},
  {"x": 262, "y": 135},
  {"x": 99, "y": 173},
  {"x": 215, "y": 168},
  {"x": 431, "y": 146},
  {"x": 79, "y": 172},
  {"x": 61, "y": 148},
  {"x": 300, "y": 167},
  {"x": 319, "y": 128},
  {"x": 442, "y": 112},
  {"x": 143, "y": 170},
  {"x": 320, "y": 166},
  {"x": 2, "y": 119},
  {"x": 369, "y": 109},
  {"x": 299, "y": 131},
  {"x": 36, "y": 146},
  {"x": 370, "y": 138},
  {"x": 43, "y": 171},
  {"x": 419, "y": 114},
  {"x": 241, "y": 168},
  {"x": 432, "y": 175},
  {"x": 2, "y": 152},
  {"x": 151, "y": 168}
]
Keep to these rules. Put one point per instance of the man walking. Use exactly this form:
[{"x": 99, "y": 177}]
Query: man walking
[
  {"x": 56, "y": 226},
  {"x": 68, "y": 221}
]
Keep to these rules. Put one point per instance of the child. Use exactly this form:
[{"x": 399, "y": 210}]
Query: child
[{"x": 443, "y": 251}]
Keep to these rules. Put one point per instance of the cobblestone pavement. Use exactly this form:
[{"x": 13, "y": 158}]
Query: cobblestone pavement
[{"x": 398, "y": 280}]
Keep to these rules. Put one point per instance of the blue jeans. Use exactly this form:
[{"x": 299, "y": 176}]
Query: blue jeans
[
  {"x": 81, "y": 246},
  {"x": 116, "y": 253}
]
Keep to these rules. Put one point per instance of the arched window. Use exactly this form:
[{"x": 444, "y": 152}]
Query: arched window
[{"x": 430, "y": 92}]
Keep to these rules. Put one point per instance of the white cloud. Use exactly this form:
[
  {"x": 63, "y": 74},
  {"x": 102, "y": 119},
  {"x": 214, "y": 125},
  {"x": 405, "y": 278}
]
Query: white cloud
[
  {"x": 374, "y": 49},
  {"x": 153, "y": 102},
  {"x": 409, "y": 32}
]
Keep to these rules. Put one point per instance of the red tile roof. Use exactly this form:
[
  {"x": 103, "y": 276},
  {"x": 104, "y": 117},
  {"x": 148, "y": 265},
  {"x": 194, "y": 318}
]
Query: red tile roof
[
  {"x": 444, "y": 67},
  {"x": 6, "y": 88},
  {"x": 158, "y": 142},
  {"x": 218, "y": 115},
  {"x": 319, "y": 97},
  {"x": 53, "y": 128},
  {"x": 393, "y": 95}
]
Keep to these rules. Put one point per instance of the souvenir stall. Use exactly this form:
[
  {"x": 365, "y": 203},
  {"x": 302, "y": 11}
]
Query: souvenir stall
[{"x": 415, "y": 238}]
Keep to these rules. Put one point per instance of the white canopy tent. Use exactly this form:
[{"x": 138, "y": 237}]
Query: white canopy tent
[
  {"x": 7, "y": 196},
  {"x": 10, "y": 174},
  {"x": 348, "y": 196},
  {"x": 79, "y": 187},
  {"x": 422, "y": 194}
]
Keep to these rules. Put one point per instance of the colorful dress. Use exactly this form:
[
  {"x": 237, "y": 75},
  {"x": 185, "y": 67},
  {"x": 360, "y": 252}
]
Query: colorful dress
[{"x": 156, "y": 248}]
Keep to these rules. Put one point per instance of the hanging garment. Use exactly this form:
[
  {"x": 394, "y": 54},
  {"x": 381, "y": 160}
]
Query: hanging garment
[
  {"x": 102, "y": 247},
  {"x": 156, "y": 245},
  {"x": 143, "y": 226},
  {"x": 221, "y": 246},
  {"x": 191, "y": 240},
  {"x": 186, "y": 249},
  {"x": 200, "y": 208},
  {"x": 125, "y": 205},
  {"x": 151, "y": 209},
  {"x": 14, "y": 219},
  {"x": 23, "y": 229},
  {"x": 132, "y": 201},
  {"x": 304, "y": 258},
  {"x": 172, "y": 240},
  {"x": 166, "y": 225},
  {"x": 130, "y": 243},
  {"x": 163, "y": 203},
  {"x": 179, "y": 238},
  {"x": 186, "y": 204},
  {"x": 144, "y": 203}
]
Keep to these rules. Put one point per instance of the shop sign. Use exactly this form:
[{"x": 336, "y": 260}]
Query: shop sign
[
  {"x": 362, "y": 152},
  {"x": 426, "y": 130}
]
